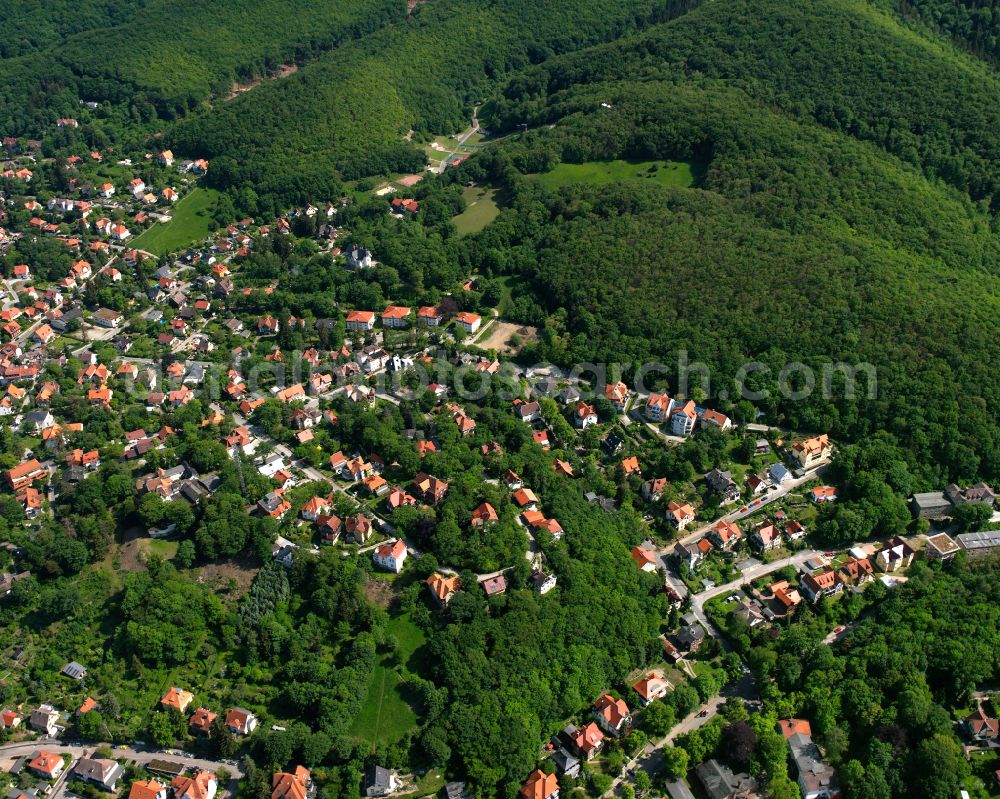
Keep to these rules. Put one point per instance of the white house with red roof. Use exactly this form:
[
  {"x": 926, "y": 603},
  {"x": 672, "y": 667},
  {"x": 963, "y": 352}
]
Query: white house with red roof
[
  {"x": 391, "y": 556},
  {"x": 469, "y": 322}
]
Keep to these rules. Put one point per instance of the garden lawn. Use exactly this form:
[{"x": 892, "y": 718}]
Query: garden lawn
[
  {"x": 386, "y": 715},
  {"x": 189, "y": 224},
  {"x": 598, "y": 173}
]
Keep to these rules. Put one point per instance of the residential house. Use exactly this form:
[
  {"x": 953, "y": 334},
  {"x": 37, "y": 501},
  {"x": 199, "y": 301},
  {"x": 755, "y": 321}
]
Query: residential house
[
  {"x": 542, "y": 581},
  {"x": 274, "y": 504},
  {"x": 525, "y": 499},
  {"x": 825, "y": 582},
  {"x": 540, "y": 786},
  {"x": 691, "y": 554},
  {"x": 201, "y": 721},
  {"x": 360, "y": 321},
  {"x": 44, "y": 720},
  {"x": 587, "y": 741},
  {"x": 980, "y": 728},
  {"x": 651, "y": 687},
  {"x": 715, "y": 419},
  {"x": 765, "y": 537},
  {"x": 823, "y": 494},
  {"x": 645, "y": 558},
  {"x": 856, "y": 572},
  {"x": 46, "y": 765},
  {"x": 294, "y": 785},
  {"x": 396, "y": 316},
  {"x": 750, "y": 612},
  {"x": 443, "y": 587},
  {"x": 584, "y": 415},
  {"x": 979, "y": 494},
  {"x": 176, "y": 699},
  {"x": 618, "y": 394},
  {"x": 652, "y": 490},
  {"x": 720, "y": 782},
  {"x": 469, "y": 322},
  {"x": 658, "y": 407},
  {"x": 725, "y": 535},
  {"x": 812, "y": 451},
  {"x": 240, "y": 721},
  {"x": 429, "y": 316},
  {"x": 680, "y": 514},
  {"x": 200, "y": 785},
  {"x": 816, "y": 779},
  {"x": 721, "y": 483},
  {"x": 484, "y": 515},
  {"x": 779, "y": 474},
  {"x": 102, "y": 772},
  {"x": 895, "y": 554},
  {"x": 147, "y": 789},
  {"x": 391, "y": 555},
  {"x": 429, "y": 488},
  {"x": 10, "y": 719},
  {"x": 527, "y": 411},
  {"x": 378, "y": 781},
  {"x": 682, "y": 419},
  {"x": 358, "y": 528}
]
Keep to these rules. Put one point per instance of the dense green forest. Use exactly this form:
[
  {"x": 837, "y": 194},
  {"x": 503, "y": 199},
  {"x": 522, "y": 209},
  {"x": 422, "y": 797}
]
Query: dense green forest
[
  {"x": 347, "y": 112},
  {"x": 168, "y": 56},
  {"x": 30, "y": 25},
  {"x": 975, "y": 24}
]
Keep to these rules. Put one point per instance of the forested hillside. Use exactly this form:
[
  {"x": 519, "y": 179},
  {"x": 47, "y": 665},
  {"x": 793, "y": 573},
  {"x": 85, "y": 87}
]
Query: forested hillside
[
  {"x": 347, "y": 112},
  {"x": 29, "y": 25},
  {"x": 168, "y": 56}
]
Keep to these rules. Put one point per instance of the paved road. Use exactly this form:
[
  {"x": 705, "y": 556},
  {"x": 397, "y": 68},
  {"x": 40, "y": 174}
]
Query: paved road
[
  {"x": 650, "y": 759},
  {"x": 754, "y": 572},
  {"x": 140, "y": 755},
  {"x": 739, "y": 514}
]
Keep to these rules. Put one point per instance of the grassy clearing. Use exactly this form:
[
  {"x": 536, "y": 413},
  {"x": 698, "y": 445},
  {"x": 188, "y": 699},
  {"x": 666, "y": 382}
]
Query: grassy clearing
[
  {"x": 480, "y": 209},
  {"x": 599, "y": 173},
  {"x": 189, "y": 225},
  {"x": 386, "y": 715}
]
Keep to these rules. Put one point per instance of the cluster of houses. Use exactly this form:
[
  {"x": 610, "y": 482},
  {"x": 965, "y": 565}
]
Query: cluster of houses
[
  {"x": 398, "y": 317},
  {"x": 238, "y": 720}
]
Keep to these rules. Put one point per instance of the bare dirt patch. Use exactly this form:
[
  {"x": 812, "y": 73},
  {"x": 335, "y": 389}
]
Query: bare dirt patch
[
  {"x": 231, "y": 577},
  {"x": 499, "y": 334},
  {"x": 379, "y": 592},
  {"x": 239, "y": 88}
]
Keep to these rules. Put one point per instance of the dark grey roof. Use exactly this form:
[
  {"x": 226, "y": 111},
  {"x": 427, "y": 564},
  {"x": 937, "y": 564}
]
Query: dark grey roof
[{"x": 74, "y": 670}]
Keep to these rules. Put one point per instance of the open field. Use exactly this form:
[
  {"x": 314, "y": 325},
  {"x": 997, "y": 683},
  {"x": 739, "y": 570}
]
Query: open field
[
  {"x": 498, "y": 335},
  {"x": 189, "y": 225},
  {"x": 386, "y": 715},
  {"x": 480, "y": 209},
  {"x": 668, "y": 173}
]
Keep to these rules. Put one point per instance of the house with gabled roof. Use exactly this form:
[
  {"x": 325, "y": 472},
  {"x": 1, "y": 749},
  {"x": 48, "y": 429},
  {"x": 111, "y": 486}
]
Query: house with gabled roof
[
  {"x": 291, "y": 785},
  {"x": 612, "y": 714},
  {"x": 240, "y": 721},
  {"x": 822, "y": 583},
  {"x": 391, "y": 555},
  {"x": 443, "y": 587},
  {"x": 651, "y": 687},
  {"x": 176, "y": 699},
  {"x": 200, "y": 785},
  {"x": 645, "y": 558},
  {"x": 680, "y": 514},
  {"x": 540, "y": 785}
]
